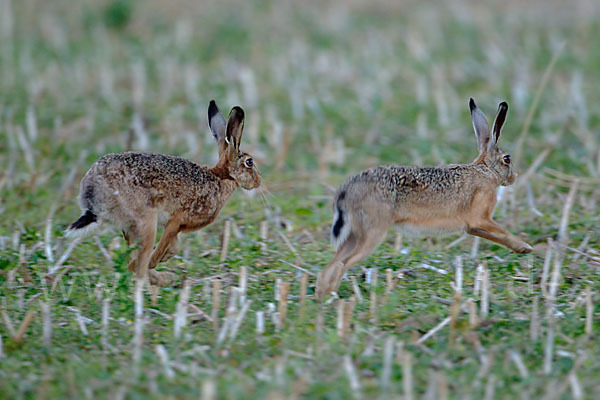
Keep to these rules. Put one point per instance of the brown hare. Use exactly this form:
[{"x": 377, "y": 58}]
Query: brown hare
[
  {"x": 135, "y": 192},
  {"x": 458, "y": 197}
]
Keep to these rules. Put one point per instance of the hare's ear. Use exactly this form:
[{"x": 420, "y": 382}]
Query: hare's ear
[
  {"x": 499, "y": 122},
  {"x": 235, "y": 126},
  {"x": 480, "y": 125},
  {"x": 216, "y": 122}
]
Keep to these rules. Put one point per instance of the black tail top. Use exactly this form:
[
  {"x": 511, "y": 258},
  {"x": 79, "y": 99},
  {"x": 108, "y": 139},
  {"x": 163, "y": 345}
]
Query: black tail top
[{"x": 87, "y": 218}]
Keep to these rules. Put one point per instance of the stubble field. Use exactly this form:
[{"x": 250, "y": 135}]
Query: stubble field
[{"x": 329, "y": 88}]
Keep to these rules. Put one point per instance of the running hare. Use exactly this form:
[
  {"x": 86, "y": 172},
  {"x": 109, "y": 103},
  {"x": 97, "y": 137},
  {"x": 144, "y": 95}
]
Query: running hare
[
  {"x": 458, "y": 197},
  {"x": 135, "y": 192}
]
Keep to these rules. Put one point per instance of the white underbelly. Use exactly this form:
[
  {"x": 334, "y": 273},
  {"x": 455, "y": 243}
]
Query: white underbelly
[{"x": 428, "y": 230}]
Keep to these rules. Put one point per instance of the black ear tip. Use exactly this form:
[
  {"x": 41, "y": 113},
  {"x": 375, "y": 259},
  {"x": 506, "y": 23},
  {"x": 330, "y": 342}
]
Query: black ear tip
[
  {"x": 239, "y": 112},
  {"x": 472, "y": 104},
  {"x": 212, "y": 109},
  {"x": 503, "y": 106}
]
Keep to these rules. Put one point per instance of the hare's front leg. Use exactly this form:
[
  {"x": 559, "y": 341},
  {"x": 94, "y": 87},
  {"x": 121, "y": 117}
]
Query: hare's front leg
[
  {"x": 166, "y": 243},
  {"x": 492, "y": 231}
]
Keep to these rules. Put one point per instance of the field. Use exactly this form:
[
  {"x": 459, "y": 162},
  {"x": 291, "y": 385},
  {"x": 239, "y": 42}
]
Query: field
[{"x": 329, "y": 88}]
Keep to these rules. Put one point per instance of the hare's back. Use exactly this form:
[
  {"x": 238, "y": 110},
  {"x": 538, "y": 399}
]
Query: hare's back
[
  {"x": 151, "y": 170},
  {"x": 407, "y": 183}
]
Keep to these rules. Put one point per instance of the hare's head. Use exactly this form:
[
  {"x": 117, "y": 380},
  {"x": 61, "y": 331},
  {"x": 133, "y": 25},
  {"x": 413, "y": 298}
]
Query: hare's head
[
  {"x": 489, "y": 152},
  {"x": 228, "y": 134}
]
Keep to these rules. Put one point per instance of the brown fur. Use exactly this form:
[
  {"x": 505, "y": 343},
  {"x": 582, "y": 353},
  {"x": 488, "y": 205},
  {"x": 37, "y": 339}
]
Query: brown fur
[
  {"x": 423, "y": 200},
  {"x": 136, "y": 192}
]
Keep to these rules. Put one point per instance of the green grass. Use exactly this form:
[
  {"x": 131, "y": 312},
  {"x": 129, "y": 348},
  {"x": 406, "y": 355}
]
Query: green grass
[{"x": 328, "y": 89}]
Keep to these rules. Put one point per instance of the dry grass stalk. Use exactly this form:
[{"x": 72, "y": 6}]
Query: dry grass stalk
[
  {"x": 356, "y": 289},
  {"x": 459, "y": 275},
  {"x": 8, "y": 323},
  {"x": 477, "y": 281},
  {"x": 303, "y": 286},
  {"x": 277, "y": 289},
  {"x": 138, "y": 327},
  {"x": 442, "y": 386},
  {"x": 229, "y": 314},
  {"x": 260, "y": 323},
  {"x": 516, "y": 358},
  {"x": 546, "y": 267},
  {"x": 576, "y": 389},
  {"x": 209, "y": 390},
  {"x": 290, "y": 246},
  {"x": 352, "y": 375},
  {"x": 23, "y": 263},
  {"x": 103, "y": 250},
  {"x": 490, "y": 388},
  {"x": 589, "y": 311},
  {"x": 216, "y": 303},
  {"x": 1, "y": 348},
  {"x": 243, "y": 284},
  {"x": 239, "y": 319},
  {"x": 389, "y": 279},
  {"x": 534, "y": 326},
  {"x": 181, "y": 310},
  {"x": 373, "y": 305},
  {"x": 454, "y": 311},
  {"x": 283, "y": 303},
  {"x": 473, "y": 320},
  {"x": 23, "y": 327},
  {"x": 548, "y": 347},
  {"x": 27, "y": 151},
  {"x": 164, "y": 360},
  {"x": 348, "y": 311},
  {"x": 388, "y": 357},
  {"x": 524, "y": 178},
  {"x": 48, "y": 240},
  {"x": 264, "y": 233},
  {"x": 64, "y": 256},
  {"x": 485, "y": 292},
  {"x": 154, "y": 296},
  {"x": 105, "y": 319},
  {"x": 226, "y": 237},
  {"x": 433, "y": 331},
  {"x": 341, "y": 306},
  {"x": 475, "y": 248},
  {"x": 398, "y": 243},
  {"x": 407, "y": 378},
  {"x": 47, "y": 324},
  {"x": 320, "y": 321},
  {"x": 563, "y": 233},
  {"x": 554, "y": 278}
]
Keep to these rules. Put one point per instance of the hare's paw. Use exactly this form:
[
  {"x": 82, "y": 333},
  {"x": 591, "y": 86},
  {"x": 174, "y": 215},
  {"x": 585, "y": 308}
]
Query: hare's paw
[
  {"x": 162, "y": 278},
  {"x": 523, "y": 248}
]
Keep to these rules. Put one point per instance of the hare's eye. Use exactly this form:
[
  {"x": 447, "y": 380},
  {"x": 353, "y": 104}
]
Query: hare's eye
[
  {"x": 506, "y": 159},
  {"x": 249, "y": 162}
]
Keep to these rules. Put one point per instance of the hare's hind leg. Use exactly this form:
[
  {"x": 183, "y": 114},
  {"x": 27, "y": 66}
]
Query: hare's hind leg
[
  {"x": 364, "y": 249},
  {"x": 146, "y": 228},
  {"x": 327, "y": 276},
  {"x": 349, "y": 254}
]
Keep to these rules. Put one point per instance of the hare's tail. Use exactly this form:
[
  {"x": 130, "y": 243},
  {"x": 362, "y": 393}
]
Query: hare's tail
[
  {"x": 340, "y": 230},
  {"x": 84, "y": 226}
]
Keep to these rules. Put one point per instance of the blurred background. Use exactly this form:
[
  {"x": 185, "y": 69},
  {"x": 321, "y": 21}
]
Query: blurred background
[{"x": 328, "y": 86}]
